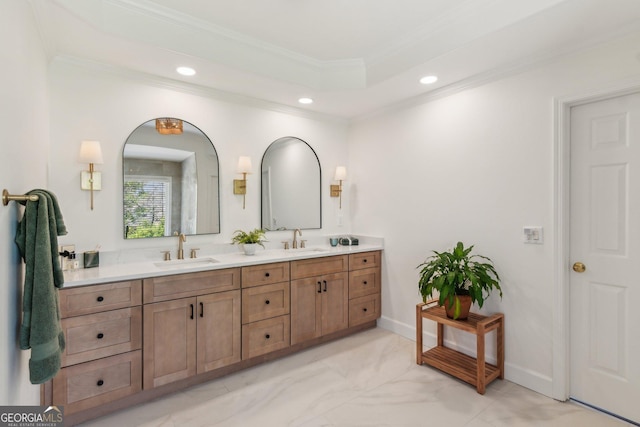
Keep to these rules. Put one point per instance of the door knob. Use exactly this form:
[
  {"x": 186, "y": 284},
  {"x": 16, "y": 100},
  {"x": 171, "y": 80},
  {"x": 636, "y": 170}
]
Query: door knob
[{"x": 579, "y": 267}]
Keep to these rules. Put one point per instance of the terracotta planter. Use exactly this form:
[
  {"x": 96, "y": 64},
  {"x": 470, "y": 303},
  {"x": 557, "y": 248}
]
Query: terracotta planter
[{"x": 465, "y": 306}]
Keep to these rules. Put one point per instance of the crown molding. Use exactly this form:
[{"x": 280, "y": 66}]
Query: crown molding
[{"x": 194, "y": 89}]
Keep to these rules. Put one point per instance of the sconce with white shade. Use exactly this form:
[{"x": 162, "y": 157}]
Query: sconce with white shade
[
  {"x": 91, "y": 152},
  {"x": 336, "y": 190},
  {"x": 240, "y": 185}
]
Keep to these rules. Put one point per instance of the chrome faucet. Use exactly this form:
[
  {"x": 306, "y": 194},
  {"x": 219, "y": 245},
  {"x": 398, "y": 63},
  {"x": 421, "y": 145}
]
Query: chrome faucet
[
  {"x": 295, "y": 241},
  {"x": 181, "y": 239}
]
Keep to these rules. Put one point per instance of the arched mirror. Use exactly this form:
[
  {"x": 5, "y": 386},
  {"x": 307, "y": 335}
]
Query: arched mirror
[
  {"x": 290, "y": 186},
  {"x": 170, "y": 176}
]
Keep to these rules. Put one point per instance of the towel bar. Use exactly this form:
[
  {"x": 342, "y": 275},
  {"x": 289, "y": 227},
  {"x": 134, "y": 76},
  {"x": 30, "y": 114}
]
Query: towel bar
[{"x": 6, "y": 197}]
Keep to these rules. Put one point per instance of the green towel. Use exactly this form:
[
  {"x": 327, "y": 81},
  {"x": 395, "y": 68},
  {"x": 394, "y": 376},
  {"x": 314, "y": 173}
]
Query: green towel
[{"x": 37, "y": 240}]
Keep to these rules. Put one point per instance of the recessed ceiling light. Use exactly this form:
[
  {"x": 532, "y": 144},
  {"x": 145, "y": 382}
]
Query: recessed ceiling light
[
  {"x": 305, "y": 101},
  {"x": 427, "y": 80},
  {"x": 186, "y": 71}
]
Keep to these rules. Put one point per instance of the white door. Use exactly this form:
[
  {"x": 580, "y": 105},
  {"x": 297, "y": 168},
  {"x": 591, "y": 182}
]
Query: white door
[{"x": 605, "y": 237}]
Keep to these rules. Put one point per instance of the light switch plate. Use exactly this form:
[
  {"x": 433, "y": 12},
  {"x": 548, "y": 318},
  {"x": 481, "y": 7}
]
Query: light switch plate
[{"x": 533, "y": 235}]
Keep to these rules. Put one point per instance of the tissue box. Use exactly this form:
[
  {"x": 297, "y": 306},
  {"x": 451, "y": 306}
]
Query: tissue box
[{"x": 91, "y": 259}]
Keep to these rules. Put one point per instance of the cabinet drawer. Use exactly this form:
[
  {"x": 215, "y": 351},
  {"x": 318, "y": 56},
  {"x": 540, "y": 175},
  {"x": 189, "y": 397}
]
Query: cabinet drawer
[
  {"x": 364, "y": 282},
  {"x": 96, "y": 383},
  {"x": 94, "y": 336},
  {"x": 265, "y": 336},
  {"x": 364, "y": 260},
  {"x": 97, "y": 298},
  {"x": 364, "y": 309},
  {"x": 191, "y": 284},
  {"x": 319, "y": 266},
  {"x": 265, "y": 274},
  {"x": 264, "y": 302}
]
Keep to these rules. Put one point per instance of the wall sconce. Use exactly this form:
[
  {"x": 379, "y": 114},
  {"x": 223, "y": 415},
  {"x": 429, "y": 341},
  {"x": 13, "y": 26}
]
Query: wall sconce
[
  {"x": 90, "y": 152},
  {"x": 240, "y": 185},
  {"x": 336, "y": 190}
]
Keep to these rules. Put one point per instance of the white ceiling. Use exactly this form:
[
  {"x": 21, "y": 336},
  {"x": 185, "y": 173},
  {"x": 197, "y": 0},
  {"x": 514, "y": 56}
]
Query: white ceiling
[{"x": 353, "y": 57}]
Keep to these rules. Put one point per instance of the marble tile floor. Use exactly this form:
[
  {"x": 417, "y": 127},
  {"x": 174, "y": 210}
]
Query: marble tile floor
[{"x": 370, "y": 379}]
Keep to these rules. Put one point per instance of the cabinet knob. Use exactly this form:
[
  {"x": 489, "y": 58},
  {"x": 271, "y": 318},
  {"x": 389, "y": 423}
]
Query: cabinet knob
[
  {"x": 100, "y": 299},
  {"x": 267, "y": 336},
  {"x": 364, "y": 283},
  {"x": 364, "y": 309},
  {"x": 100, "y": 383},
  {"x": 364, "y": 260},
  {"x": 266, "y": 274},
  {"x": 100, "y": 336},
  {"x": 267, "y": 302}
]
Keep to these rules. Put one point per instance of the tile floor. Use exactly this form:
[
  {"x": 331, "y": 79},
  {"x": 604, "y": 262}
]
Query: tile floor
[{"x": 370, "y": 379}]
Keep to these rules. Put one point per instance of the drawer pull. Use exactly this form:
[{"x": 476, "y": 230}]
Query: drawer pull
[
  {"x": 100, "y": 299},
  {"x": 191, "y": 310},
  {"x": 364, "y": 260},
  {"x": 364, "y": 309},
  {"x": 325, "y": 285},
  {"x": 100, "y": 336},
  {"x": 364, "y": 283},
  {"x": 267, "y": 336},
  {"x": 319, "y": 287},
  {"x": 266, "y": 274},
  {"x": 100, "y": 383},
  {"x": 267, "y": 302},
  {"x": 201, "y": 309}
]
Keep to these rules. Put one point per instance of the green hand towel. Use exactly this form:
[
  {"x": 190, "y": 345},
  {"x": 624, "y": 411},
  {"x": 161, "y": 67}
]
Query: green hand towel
[{"x": 37, "y": 240}]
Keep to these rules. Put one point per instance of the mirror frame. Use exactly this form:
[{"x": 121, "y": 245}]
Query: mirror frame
[
  {"x": 124, "y": 227},
  {"x": 319, "y": 189}
]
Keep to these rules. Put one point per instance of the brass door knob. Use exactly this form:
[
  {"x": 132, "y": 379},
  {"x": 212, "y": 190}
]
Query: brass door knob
[{"x": 579, "y": 267}]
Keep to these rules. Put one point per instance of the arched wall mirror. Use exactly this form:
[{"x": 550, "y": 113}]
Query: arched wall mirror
[
  {"x": 291, "y": 195},
  {"x": 170, "y": 176}
]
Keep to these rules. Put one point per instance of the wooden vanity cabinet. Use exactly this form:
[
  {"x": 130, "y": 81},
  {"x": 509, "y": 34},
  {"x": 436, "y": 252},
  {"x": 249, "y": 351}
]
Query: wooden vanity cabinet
[
  {"x": 319, "y": 297},
  {"x": 102, "y": 361},
  {"x": 364, "y": 287},
  {"x": 265, "y": 309},
  {"x": 188, "y": 336}
]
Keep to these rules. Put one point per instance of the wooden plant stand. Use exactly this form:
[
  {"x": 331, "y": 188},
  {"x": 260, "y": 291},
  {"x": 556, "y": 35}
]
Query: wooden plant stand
[{"x": 474, "y": 371}]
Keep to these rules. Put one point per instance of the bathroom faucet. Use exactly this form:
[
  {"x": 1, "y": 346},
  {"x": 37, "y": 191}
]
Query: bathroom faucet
[
  {"x": 181, "y": 239},
  {"x": 295, "y": 241}
]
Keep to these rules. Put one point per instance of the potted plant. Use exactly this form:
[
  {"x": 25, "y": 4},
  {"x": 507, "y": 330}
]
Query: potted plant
[
  {"x": 249, "y": 240},
  {"x": 460, "y": 279}
]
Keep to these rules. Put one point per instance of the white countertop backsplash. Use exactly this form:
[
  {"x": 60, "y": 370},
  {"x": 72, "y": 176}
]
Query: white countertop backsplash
[{"x": 140, "y": 263}]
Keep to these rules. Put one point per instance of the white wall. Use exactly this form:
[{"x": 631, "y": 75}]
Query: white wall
[
  {"x": 477, "y": 166},
  {"x": 23, "y": 150},
  {"x": 91, "y": 103}
]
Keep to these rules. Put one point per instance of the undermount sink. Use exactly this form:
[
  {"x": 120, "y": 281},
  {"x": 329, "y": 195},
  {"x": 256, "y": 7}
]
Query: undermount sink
[
  {"x": 306, "y": 250},
  {"x": 184, "y": 263}
]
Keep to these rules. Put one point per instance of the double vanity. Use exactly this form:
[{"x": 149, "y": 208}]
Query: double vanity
[{"x": 140, "y": 330}]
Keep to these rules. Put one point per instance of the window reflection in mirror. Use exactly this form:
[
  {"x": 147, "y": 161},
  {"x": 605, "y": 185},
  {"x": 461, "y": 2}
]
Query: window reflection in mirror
[
  {"x": 291, "y": 191},
  {"x": 170, "y": 182}
]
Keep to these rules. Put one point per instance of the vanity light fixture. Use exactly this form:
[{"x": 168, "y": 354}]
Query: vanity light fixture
[
  {"x": 90, "y": 152},
  {"x": 336, "y": 190},
  {"x": 240, "y": 185},
  {"x": 169, "y": 126}
]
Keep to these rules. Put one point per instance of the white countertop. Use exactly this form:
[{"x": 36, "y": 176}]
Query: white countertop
[{"x": 205, "y": 262}]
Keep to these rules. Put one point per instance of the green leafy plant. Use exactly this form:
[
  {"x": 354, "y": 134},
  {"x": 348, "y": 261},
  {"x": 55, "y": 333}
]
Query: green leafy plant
[
  {"x": 256, "y": 236},
  {"x": 458, "y": 272}
]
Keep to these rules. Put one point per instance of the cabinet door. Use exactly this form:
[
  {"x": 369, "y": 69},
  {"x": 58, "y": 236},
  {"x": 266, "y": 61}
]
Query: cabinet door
[
  {"x": 169, "y": 341},
  {"x": 306, "y": 306},
  {"x": 335, "y": 302},
  {"x": 218, "y": 330}
]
